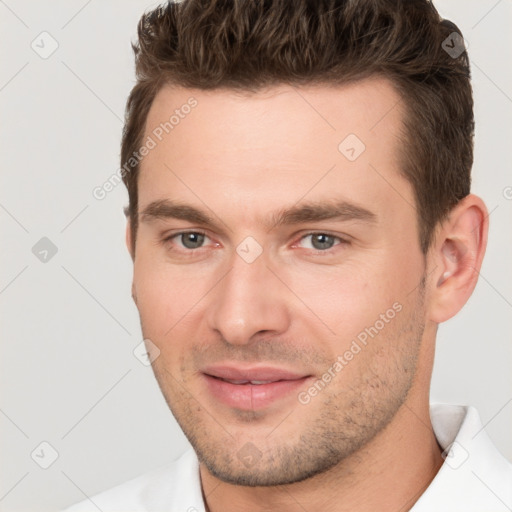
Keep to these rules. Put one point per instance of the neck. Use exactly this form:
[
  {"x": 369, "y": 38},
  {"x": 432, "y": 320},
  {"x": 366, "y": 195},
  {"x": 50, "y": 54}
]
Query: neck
[{"x": 389, "y": 473}]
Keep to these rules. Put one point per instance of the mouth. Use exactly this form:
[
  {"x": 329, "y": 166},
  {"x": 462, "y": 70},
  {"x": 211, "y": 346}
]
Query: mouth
[
  {"x": 255, "y": 382},
  {"x": 252, "y": 388}
]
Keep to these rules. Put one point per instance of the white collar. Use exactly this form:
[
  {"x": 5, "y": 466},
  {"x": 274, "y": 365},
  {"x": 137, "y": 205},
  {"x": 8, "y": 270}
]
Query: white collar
[{"x": 475, "y": 477}]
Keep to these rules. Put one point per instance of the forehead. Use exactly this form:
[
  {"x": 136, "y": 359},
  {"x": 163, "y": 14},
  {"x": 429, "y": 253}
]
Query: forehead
[
  {"x": 260, "y": 150},
  {"x": 369, "y": 108}
]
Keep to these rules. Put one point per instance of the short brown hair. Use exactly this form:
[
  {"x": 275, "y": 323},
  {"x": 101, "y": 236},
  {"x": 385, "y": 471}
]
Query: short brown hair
[{"x": 248, "y": 45}]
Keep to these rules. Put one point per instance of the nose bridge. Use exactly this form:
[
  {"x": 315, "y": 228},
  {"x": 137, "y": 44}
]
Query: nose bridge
[{"x": 247, "y": 300}]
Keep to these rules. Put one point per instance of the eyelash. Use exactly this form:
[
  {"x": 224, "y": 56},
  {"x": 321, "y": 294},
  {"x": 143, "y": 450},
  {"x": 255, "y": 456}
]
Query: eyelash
[{"x": 341, "y": 241}]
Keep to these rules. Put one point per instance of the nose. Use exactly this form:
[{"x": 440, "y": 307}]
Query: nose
[{"x": 248, "y": 301}]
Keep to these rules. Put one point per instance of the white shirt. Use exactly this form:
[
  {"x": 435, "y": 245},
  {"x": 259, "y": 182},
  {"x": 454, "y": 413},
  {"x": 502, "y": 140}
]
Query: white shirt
[{"x": 475, "y": 477}]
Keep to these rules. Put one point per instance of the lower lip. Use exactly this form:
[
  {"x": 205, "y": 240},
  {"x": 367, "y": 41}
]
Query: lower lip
[{"x": 252, "y": 396}]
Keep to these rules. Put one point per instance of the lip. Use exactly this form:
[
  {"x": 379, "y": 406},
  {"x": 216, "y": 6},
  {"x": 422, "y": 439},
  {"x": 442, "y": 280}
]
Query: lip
[
  {"x": 251, "y": 373},
  {"x": 252, "y": 396}
]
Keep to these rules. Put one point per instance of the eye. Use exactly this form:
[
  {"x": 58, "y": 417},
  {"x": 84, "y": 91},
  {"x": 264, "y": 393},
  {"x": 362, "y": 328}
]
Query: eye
[
  {"x": 320, "y": 241},
  {"x": 189, "y": 239}
]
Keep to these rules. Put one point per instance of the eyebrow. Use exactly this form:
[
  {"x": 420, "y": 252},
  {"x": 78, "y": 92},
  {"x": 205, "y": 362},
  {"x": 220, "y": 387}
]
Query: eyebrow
[{"x": 296, "y": 214}]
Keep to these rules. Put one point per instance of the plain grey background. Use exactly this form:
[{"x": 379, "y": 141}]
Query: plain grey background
[{"x": 68, "y": 375}]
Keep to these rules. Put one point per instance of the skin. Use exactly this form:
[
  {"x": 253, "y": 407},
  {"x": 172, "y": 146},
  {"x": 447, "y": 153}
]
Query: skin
[{"x": 365, "y": 441}]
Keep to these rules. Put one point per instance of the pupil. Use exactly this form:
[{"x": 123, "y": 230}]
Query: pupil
[
  {"x": 192, "y": 240},
  {"x": 322, "y": 241}
]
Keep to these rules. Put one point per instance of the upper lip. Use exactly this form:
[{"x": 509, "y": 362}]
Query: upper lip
[{"x": 252, "y": 373}]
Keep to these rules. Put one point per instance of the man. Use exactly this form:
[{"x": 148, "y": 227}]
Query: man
[{"x": 300, "y": 222}]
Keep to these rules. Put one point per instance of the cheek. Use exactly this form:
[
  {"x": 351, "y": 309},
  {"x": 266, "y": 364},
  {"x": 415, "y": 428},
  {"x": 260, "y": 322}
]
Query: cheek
[
  {"x": 170, "y": 298},
  {"x": 349, "y": 298},
  {"x": 163, "y": 296},
  {"x": 346, "y": 298}
]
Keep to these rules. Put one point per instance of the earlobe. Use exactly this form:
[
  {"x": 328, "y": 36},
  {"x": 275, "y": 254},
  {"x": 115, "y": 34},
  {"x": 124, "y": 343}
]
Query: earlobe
[{"x": 458, "y": 253}]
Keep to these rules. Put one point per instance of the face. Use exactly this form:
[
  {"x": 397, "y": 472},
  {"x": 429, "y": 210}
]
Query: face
[{"x": 278, "y": 272}]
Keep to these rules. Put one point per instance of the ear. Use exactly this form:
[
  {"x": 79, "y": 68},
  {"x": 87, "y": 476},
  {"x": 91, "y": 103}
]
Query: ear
[
  {"x": 128, "y": 238},
  {"x": 457, "y": 255}
]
